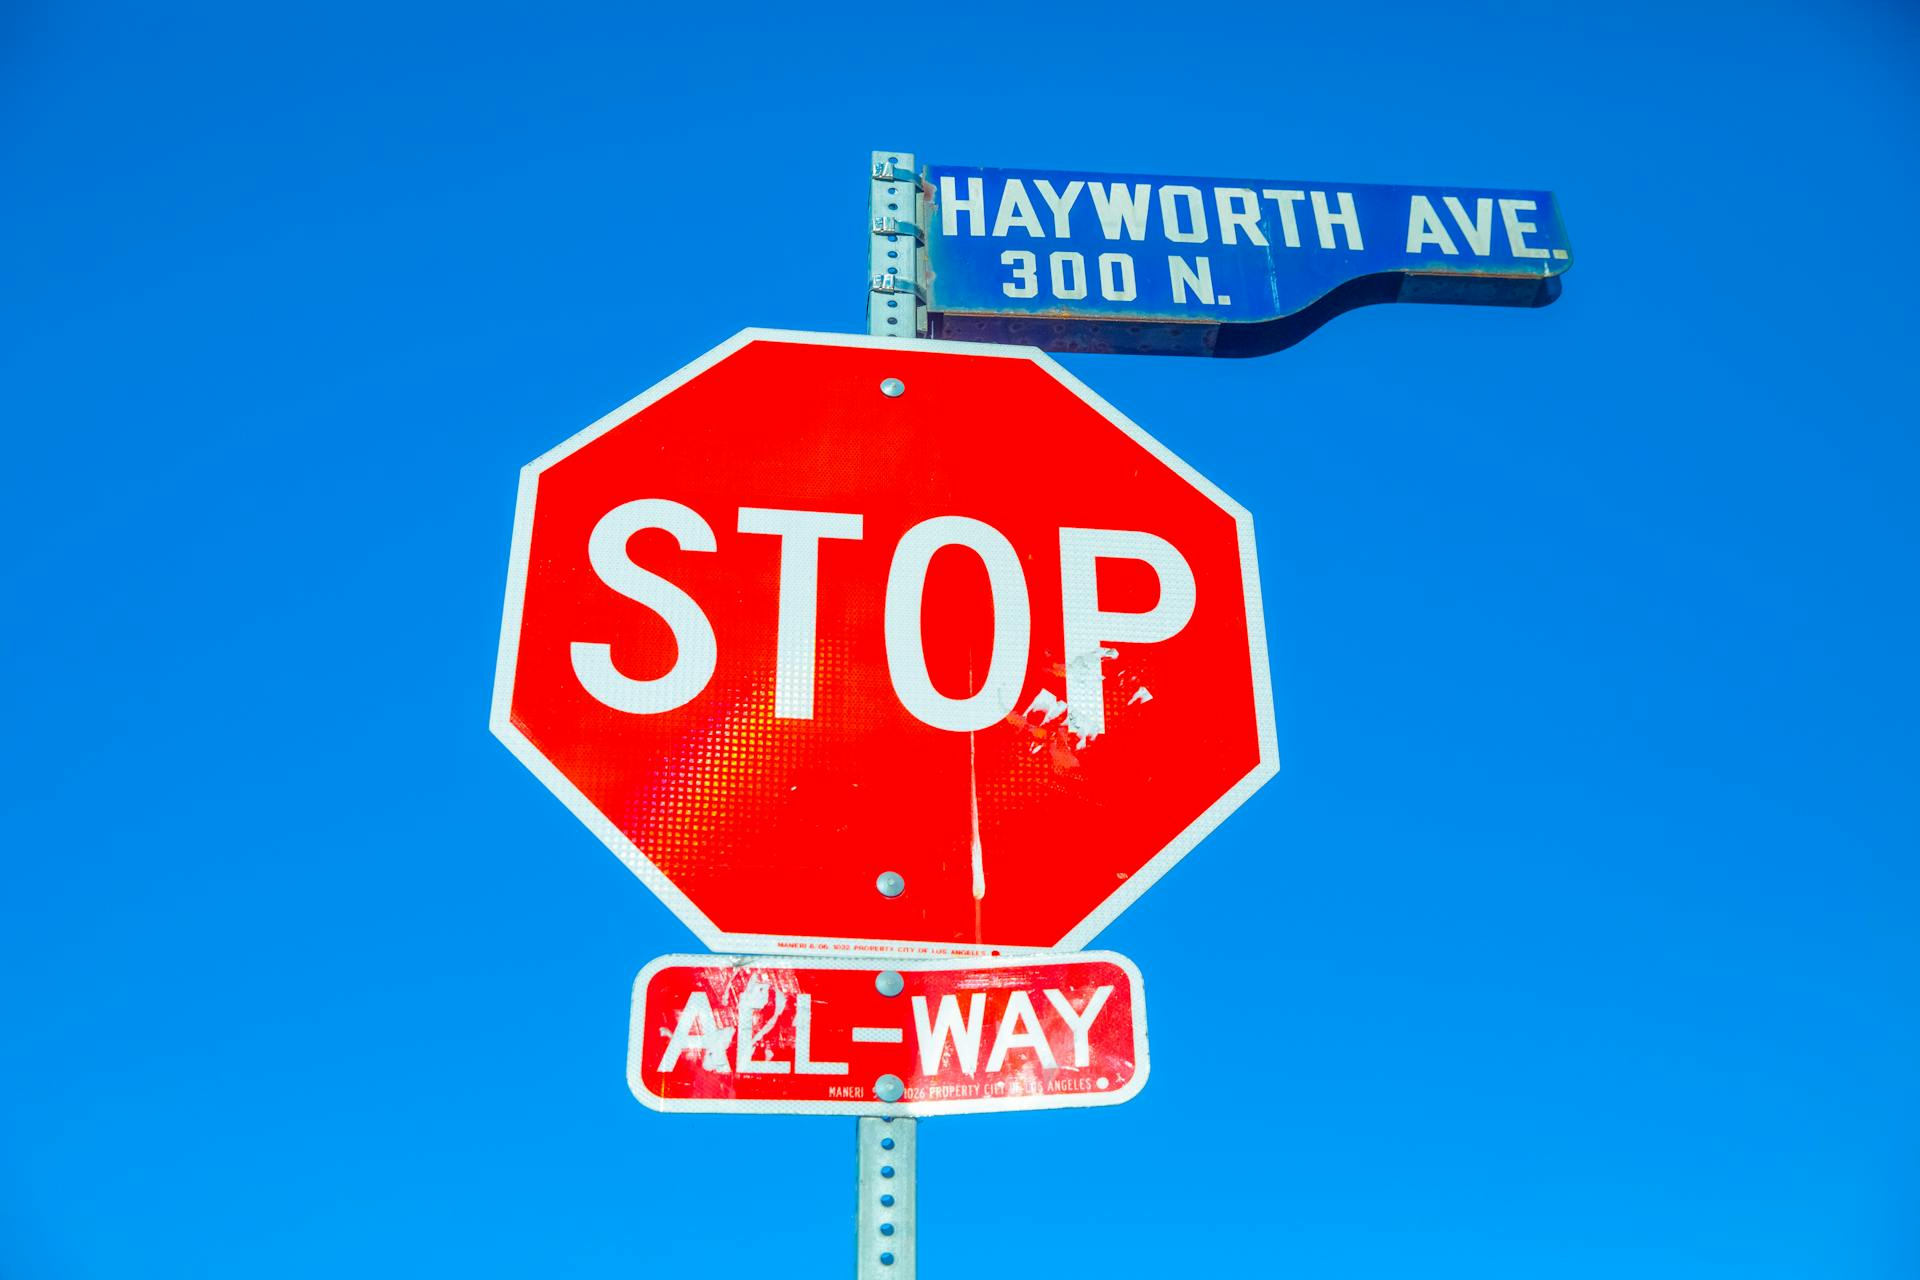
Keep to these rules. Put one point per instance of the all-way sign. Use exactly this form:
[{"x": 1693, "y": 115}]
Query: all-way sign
[{"x": 845, "y": 1037}]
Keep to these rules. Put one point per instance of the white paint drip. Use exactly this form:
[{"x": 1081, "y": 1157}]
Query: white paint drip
[
  {"x": 979, "y": 855},
  {"x": 1142, "y": 694}
]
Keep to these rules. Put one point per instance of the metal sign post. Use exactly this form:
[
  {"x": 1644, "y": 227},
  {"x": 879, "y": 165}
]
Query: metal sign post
[
  {"x": 884, "y": 1218},
  {"x": 885, "y": 1148},
  {"x": 896, "y": 306}
]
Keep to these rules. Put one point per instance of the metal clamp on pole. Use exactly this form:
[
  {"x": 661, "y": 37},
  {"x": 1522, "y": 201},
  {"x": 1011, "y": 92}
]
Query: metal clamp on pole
[
  {"x": 895, "y": 305},
  {"x": 891, "y": 284}
]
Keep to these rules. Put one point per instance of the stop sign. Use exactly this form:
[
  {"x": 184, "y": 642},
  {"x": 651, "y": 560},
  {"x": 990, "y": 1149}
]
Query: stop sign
[{"x": 851, "y": 644}]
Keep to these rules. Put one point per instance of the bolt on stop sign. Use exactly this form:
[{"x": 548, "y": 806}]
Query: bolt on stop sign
[{"x": 850, "y": 644}]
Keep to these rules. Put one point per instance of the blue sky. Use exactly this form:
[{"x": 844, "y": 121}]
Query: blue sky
[{"x": 1575, "y": 939}]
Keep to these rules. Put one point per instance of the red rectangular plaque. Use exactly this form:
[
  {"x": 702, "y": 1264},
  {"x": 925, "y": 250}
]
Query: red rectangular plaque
[{"x": 902, "y": 1037}]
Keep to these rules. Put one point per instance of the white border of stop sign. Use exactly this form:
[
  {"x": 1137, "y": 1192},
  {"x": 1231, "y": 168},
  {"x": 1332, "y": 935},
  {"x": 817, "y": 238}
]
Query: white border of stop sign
[{"x": 629, "y": 580}]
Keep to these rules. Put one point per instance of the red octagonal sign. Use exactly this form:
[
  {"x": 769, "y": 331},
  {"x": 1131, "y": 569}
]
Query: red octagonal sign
[{"x": 852, "y": 644}]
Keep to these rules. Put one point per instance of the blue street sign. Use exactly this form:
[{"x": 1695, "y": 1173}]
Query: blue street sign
[{"x": 1214, "y": 266}]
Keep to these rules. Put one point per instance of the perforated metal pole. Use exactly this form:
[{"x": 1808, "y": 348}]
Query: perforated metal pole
[
  {"x": 896, "y": 305},
  {"x": 884, "y": 1220},
  {"x": 884, "y": 1212}
]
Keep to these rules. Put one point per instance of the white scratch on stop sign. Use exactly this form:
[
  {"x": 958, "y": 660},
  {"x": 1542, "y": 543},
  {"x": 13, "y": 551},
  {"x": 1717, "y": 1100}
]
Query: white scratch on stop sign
[{"x": 973, "y": 797}]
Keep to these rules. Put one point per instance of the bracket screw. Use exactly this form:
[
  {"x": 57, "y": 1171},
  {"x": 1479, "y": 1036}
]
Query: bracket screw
[
  {"x": 893, "y": 387},
  {"x": 891, "y": 884},
  {"x": 889, "y": 1088},
  {"x": 888, "y": 982}
]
